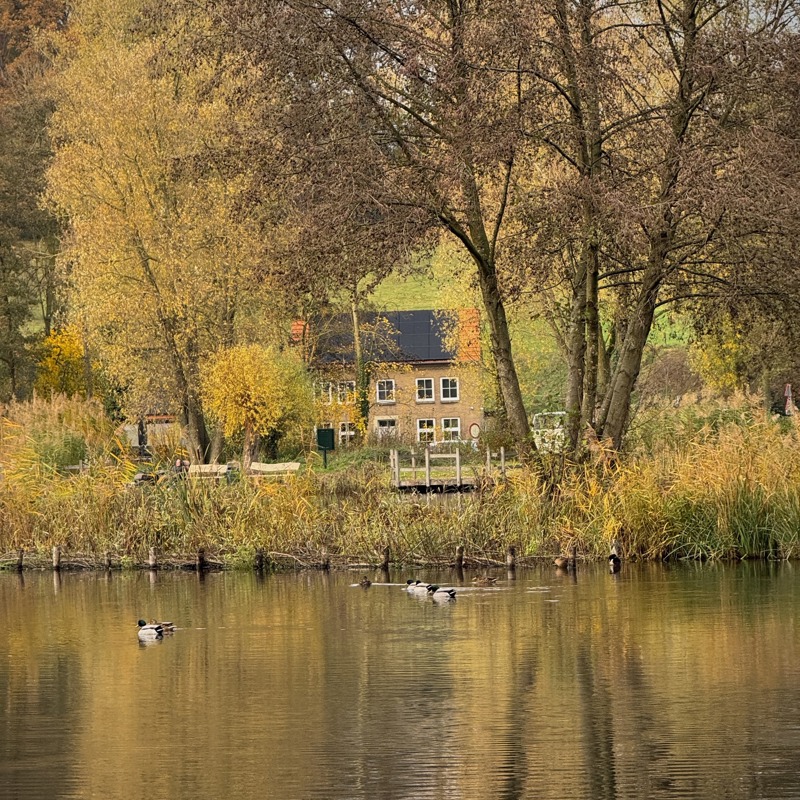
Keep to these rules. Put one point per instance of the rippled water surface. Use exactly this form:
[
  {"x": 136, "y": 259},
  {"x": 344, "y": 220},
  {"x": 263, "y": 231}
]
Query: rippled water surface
[{"x": 673, "y": 682}]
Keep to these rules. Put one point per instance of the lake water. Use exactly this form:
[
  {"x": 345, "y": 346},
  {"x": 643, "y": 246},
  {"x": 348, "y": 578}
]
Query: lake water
[{"x": 658, "y": 682}]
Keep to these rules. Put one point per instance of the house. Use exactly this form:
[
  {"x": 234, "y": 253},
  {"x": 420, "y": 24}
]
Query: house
[{"x": 425, "y": 377}]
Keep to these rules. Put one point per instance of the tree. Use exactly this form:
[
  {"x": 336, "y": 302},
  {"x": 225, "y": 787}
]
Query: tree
[
  {"x": 391, "y": 114},
  {"x": 62, "y": 368},
  {"x": 162, "y": 265},
  {"x": 261, "y": 391},
  {"x": 659, "y": 187},
  {"x": 27, "y": 232}
]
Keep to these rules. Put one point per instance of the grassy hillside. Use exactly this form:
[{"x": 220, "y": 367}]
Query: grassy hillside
[
  {"x": 540, "y": 362},
  {"x": 448, "y": 284}
]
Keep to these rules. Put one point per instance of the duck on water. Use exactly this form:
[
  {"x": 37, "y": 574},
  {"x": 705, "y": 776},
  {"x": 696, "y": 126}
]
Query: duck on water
[{"x": 154, "y": 630}]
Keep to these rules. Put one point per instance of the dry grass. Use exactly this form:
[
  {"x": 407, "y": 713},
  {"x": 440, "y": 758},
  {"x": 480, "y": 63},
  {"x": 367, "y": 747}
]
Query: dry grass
[{"x": 728, "y": 492}]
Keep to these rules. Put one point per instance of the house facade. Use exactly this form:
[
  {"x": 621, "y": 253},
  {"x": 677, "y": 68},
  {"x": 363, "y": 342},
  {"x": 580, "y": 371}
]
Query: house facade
[{"x": 425, "y": 379}]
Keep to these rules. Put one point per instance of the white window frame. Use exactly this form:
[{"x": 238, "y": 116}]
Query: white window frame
[
  {"x": 427, "y": 429},
  {"x": 389, "y": 393},
  {"x": 443, "y": 393},
  {"x": 347, "y": 432},
  {"x": 346, "y": 391},
  {"x": 430, "y": 387},
  {"x": 325, "y": 389},
  {"x": 447, "y": 431},
  {"x": 387, "y": 431}
]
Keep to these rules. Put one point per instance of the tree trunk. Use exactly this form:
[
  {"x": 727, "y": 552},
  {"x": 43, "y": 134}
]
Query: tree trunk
[
  {"x": 362, "y": 372},
  {"x": 576, "y": 358},
  {"x": 506, "y": 370},
  {"x": 191, "y": 410},
  {"x": 248, "y": 447},
  {"x": 579, "y": 64},
  {"x": 594, "y": 337},
  {"x": 616, "y": 405},
  {"x": 481, "y": 246}
]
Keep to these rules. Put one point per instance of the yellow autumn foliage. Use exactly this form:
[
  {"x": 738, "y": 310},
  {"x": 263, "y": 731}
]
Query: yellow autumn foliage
[
  {"x": 261, "y": 389},
  {"x": 162, "y": 261},
  {"x": 62, "y": 367}
]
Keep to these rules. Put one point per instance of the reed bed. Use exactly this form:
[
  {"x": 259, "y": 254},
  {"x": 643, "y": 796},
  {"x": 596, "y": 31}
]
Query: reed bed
[{"x": 729, "y": 491}]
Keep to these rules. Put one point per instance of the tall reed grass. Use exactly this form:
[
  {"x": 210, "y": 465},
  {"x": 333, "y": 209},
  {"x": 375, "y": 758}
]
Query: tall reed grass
[{"x": 729, "y": 491}]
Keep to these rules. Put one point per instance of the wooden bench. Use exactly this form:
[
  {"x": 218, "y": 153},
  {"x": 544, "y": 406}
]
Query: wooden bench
[
  {"x": 212, "y": 471},
  {"x": 259, "y": 469}
]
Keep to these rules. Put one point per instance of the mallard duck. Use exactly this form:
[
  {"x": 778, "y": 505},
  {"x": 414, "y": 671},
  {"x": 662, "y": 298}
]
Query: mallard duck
[
  {"x": 416, "y": 587},
  {"x": 566, "y": 562},
  {"x": 484, "y": 580},
  {"x": 148, "y": 631},
  {"x": 166, "y": 627},
  {"x": 365, "y": 582},
  {"x": 441, "y": 595},
  {"x": 614, "y": 561}
]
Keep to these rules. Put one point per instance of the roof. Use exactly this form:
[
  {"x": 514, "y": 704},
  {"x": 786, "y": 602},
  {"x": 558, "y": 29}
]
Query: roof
[{"x": 410, "y": 337}]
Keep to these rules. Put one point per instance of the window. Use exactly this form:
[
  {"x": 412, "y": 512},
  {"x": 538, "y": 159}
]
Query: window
[
  {"x": 386, "y": 427},
  {"x": 449, "y": 390},
  {"x": 424, "y": 390},
  {"x": 346, "y": 391},
  {"x": 347, "y": 432},
  {"x": 426, "y": 430},
  {"x": 385, "y": 390},
  {"x": 324, "y": 391},
  {"x": 451, "y": 429}
]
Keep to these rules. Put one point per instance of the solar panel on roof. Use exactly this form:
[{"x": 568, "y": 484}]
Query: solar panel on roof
[{"x": 395, "y": 336}]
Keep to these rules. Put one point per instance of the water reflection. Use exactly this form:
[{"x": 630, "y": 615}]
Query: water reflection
[{"x": 674, "y": 682}]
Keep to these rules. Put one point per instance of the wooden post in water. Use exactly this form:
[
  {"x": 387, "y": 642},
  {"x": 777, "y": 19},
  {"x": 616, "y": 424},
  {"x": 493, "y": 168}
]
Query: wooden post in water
[
  {"x": 326, "y": 560},
  {"x": 511, "y": 558},
  {"x": 152, "y": 561},
  {"x": 107, "y": 559},
  {"x": 56, "y": 557},
  {"x": 387, "y": 554},
  {"x": 427, "y": 467},
  {"x": 201, "y": 559},
  {"x": 460, "y": 557},
  {"x": 259, "y": 560},
  {"x": 20, "y": 559},
  {"x": 458, "y": 468}
]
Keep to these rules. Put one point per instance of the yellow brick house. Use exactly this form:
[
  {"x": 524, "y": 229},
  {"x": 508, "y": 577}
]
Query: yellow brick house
[{"x": 425, "y": 376}]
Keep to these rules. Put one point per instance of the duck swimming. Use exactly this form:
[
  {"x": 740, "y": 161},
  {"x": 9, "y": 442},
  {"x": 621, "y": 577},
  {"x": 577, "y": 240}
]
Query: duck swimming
[
  {"x": 416, "y": 587},
  {"x": 566, "y": 562},
  {"x": 440, "y": 595},
  {"x": 166, "y": 627},
  {"x": 149, "y": 631},
  {"x": 614, "y": 561},
  {"x": 365, "y": 582}
]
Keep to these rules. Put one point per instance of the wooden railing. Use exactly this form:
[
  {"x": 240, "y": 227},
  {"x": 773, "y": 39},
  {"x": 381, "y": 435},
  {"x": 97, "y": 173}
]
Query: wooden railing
[{"x": 422, "y": 475}]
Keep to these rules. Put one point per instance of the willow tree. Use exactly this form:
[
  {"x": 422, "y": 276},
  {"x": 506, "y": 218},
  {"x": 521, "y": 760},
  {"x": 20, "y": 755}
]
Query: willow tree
[
  {"x": 260, "y": 392},
  {"x": 160, "y": 262}
]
